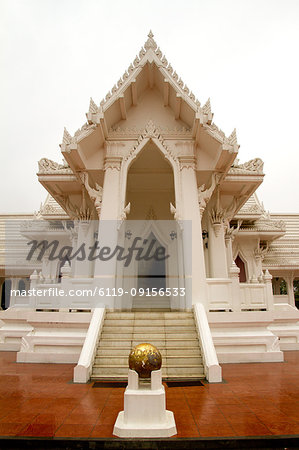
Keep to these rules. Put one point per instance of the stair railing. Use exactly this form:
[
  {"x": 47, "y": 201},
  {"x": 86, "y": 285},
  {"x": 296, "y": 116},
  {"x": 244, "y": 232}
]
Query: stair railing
[
  {"x": 212, "y": 368},
  {"x": 83, "y": 369}
]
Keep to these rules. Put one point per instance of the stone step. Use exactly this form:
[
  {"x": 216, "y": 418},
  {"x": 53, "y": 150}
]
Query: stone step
[
  {"x": 95, "y": 377},
  {"x": 178, "y": 315},
  {"x": 148, "y": 315},
  {"x": 120, "y": 315},
  {"x": 147, "y": 329},
  {"x": 113, "y": 342},
  {"x": 113, "y": 351},
  {"x": 110, "y": 370},
  {"x": 184, "y": 371},
  {"x": 167, "y": 360},
  {"x": 188, "y": 322},
  {"x": 124, "y": 322},
  {"x": 172, "y": 332},
  {"x": 153, "y": 302},
  {"x": 143, "y": 337}
]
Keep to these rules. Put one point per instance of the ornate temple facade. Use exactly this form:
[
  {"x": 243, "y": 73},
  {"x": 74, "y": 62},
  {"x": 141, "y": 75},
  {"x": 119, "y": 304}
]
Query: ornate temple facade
[{"x": 150, "y": 162}]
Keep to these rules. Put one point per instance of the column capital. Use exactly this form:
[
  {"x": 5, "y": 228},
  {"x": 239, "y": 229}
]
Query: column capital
[
  {"x": 217, "y": 220},
  {"x": 114, "y": 155},
  {"x": 186, "y": 154},
  {"x": 112, "y": 162},
  {"x": 187, "y": 162}
]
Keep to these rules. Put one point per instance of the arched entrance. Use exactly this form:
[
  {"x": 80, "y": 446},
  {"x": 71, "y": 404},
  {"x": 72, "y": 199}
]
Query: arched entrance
[
  {"x": 150, "y": 191},
  {"x": 150, "y": 185},
  {"x": 240, "y": 263}
]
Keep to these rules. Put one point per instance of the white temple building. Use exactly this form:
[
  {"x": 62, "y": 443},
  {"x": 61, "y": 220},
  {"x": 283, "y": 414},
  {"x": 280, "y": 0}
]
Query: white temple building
[{"x": 150, "y": 166}]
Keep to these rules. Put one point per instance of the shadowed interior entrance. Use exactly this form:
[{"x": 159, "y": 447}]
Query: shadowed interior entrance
[
  {"x": 150, "y": 186},
  {"x": 152, "y": 272},
  {"x": 150, "y": 190}
]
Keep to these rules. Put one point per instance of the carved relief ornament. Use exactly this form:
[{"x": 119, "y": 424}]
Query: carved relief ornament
[
  {"x": 151, "y": 131},
  {"x": 48, "y": 166},
  {"x": 204, "y": 195},
  {"x": 95, "y": 194}
]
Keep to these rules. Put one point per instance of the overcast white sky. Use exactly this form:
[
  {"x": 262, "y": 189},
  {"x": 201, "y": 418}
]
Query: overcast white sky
[{"x": 56, "y": 54}]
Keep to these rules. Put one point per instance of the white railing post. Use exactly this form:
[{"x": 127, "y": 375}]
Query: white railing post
[
  {"x": 83, "y": 369},
  {"x": 268, "y": 291},
  {"x": 212, "y": 368}
]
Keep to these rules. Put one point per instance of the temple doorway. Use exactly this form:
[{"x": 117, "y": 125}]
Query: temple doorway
[
  {"x": 150, "y": 186},
  {"x": 152, "y": 272},
  {"x": 150, "y": 189},
  {"x": 240, "y": 263}
]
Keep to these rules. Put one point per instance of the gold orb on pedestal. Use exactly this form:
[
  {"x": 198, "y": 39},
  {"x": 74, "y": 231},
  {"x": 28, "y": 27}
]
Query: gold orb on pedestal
[{"x": 144, "y": 358}]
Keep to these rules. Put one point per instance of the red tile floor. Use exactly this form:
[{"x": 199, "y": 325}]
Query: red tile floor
[{"x": 254, "y": 400}]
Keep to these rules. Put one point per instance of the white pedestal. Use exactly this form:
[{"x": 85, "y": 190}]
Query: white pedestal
[{"x": 145, "y": 413}]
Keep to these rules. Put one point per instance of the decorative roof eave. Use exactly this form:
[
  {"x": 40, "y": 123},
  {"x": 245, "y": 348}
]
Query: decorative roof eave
[
  {"x": 70, "y": 143},
  {"x": 266, "y": 224},
  {"x": 247, "y": 215},
  {"x": 150, "y": 52},
  {"x": 254, "y": 166},
  {"x": 245, "y": 177},
  {"x": 50, "y": 171},
  {"x": 134, "y": 133},
  {"x": 282, "y": 264},
  {"x": 254, "y": 230},
  {"x": 252, "y": 209},
  {"x": 51, "y": 210},
  {"x": 47, "y": 166},
  {"x": 229, "y": 144}
]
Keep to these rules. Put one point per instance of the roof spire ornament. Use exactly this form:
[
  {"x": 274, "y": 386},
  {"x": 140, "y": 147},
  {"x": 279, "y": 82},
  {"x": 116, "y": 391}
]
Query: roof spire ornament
[
  {"x": 207, "y": 107},
  {"x": 150, "y": 43},
  {"x": 93, "y": 109},
  {"x": 67, "y": 138},
  {"x": 233, "y": 137}
]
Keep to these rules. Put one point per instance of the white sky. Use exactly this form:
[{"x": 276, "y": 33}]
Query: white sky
[{"x": 56, "y": 54}]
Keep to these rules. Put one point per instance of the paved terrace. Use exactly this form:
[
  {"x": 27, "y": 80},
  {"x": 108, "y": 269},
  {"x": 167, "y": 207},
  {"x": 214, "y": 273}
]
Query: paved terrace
[{"x": 254, "y": 400}]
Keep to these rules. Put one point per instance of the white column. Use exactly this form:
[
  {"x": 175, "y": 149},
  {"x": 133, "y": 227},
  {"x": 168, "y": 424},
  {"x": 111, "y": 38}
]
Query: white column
[
  {"x": 290, "y": 289},
  {"x": 194, "y": 252},
  {"x": 236, "y": 297},
  {"x": 217, "y": 250},
  {"x": 82, "y": 269},
  {"x": 105, "y": 270},
  {"x": 229, "y": 251},
  {"x": 269, "y": 291}
]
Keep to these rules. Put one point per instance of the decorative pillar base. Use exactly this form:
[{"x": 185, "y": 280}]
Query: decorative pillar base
[{"x": 145, "y": 413}]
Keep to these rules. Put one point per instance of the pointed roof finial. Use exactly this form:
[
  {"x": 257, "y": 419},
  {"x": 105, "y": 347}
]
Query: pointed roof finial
[
  {"x": 207, "y": 107},
  {"x": 67, "y": 138},
  {"x": 233, "y": 137},
  {"x": 150, "y": 43},
  {"x": 93, "y": 109}
]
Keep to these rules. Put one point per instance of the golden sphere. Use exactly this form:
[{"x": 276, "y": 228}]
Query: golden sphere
[{"x": 144, "y": 358}]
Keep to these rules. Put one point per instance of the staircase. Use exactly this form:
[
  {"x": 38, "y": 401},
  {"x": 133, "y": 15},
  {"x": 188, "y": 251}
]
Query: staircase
[
  {"x": 173, "y": 333},
  {"x": 158, "y": 302}
]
